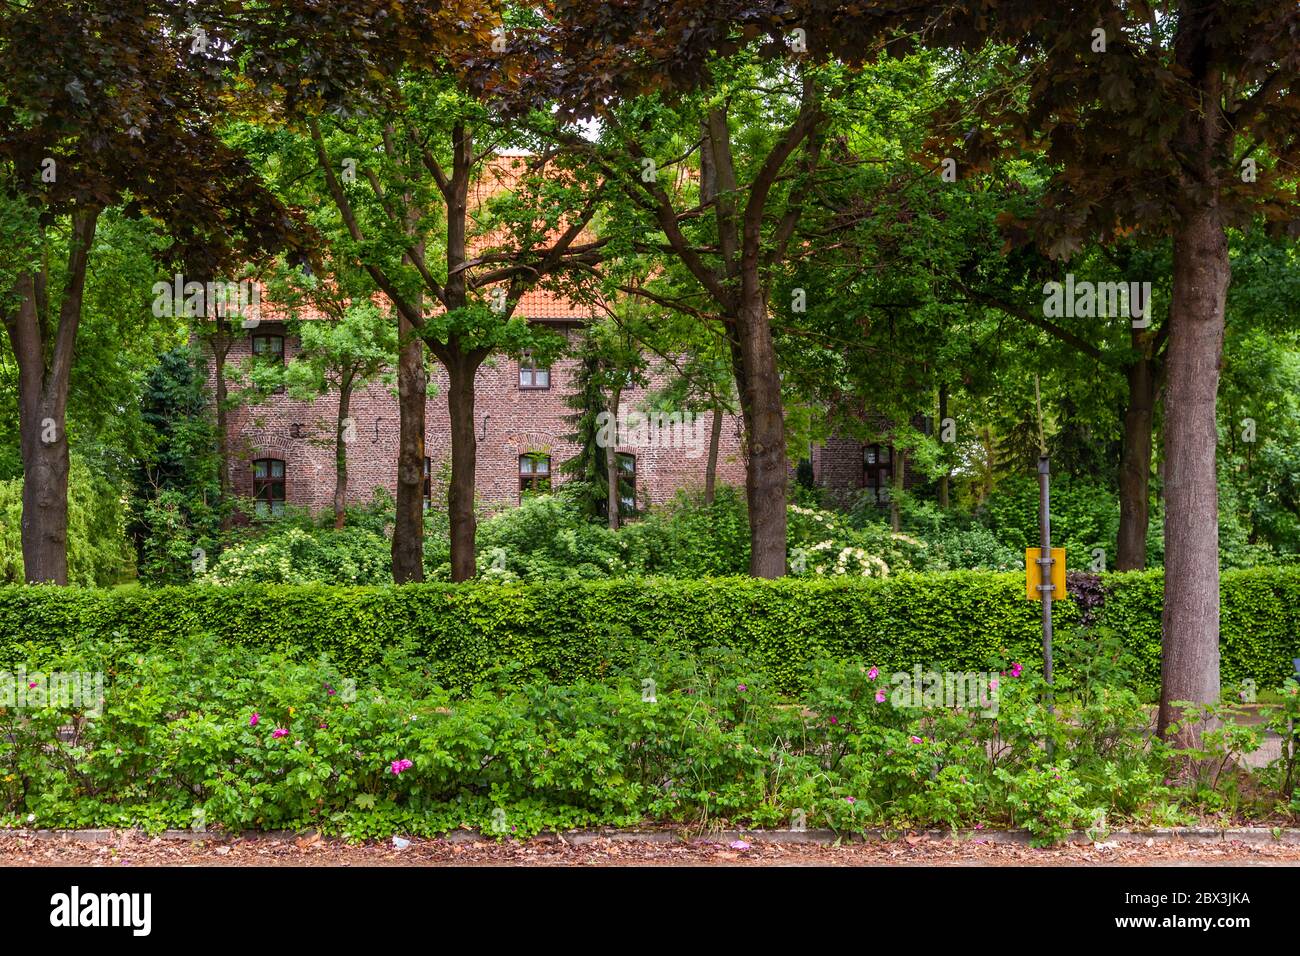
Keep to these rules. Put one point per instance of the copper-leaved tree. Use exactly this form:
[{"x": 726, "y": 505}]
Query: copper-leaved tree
[
  {"x": 1175, "y": 120},
  {"x": 104, "y": 104}
]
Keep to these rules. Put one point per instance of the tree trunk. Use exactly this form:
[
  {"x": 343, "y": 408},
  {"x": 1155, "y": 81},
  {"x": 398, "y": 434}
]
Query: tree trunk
[
  {"x": 408, "y": 529},
  {"x": 1190, "y": 663},
  {"x": 1135, "y": 465},
  {"x": 765, "y": 485},
  {"x": 461, "y": 364},
  {"x": 611, "y": 462},
  {"x": 221, "y": 339},
  {"x": 711, "y": 469},
  {"x": 464, "y": 451},
  {"x": 43, "y": 402},
  {"x": 341, "y": 455},
  {"x": 990, "y": 459},
  {"x": 897, "y": 479},
  {"x": 220, "y": 349},
  {"x": 945, "y": 478},
  {"x": 753, "y": 354},
  {"x": 44, "y": 438}
]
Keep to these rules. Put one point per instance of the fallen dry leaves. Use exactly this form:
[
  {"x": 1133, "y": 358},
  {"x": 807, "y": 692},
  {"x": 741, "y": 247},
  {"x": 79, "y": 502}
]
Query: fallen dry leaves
[{"x": 133, "y": 849}]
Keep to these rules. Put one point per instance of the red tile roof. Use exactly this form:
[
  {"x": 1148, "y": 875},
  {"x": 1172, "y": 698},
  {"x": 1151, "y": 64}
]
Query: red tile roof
[
  {"x": 500, "y": 173},
  {"x": 545, "y": 304}
]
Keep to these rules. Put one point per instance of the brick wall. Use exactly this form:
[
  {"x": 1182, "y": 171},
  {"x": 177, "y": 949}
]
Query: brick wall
[
  {"x": 509, "y": 421},
  {"x": 839, "y": 465}
]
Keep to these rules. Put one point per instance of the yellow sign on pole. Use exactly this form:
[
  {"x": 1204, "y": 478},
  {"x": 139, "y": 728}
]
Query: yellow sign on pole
[{"x": 1033, "y": 577}]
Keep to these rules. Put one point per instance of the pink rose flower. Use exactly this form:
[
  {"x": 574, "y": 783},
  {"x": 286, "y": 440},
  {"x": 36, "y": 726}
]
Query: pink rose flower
[
  {"x": 252, "y": 721},
  {"x": 279, "y": 732},
  {"x": 873, "y": 673}
]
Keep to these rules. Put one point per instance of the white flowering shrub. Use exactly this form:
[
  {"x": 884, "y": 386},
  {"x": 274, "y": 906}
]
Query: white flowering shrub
[
  {"x": 823, "y": 543},
  {"x": 290, "y": 555}
]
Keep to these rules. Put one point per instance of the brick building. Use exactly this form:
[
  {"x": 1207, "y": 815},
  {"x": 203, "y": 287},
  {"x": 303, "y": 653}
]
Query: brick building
[
  {"x": 283, "y": 449},
  {"x": 846, "y": 467}
]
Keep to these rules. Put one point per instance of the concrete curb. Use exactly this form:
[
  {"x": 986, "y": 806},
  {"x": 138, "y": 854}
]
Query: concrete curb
[{"x": 1254, "y": 836}]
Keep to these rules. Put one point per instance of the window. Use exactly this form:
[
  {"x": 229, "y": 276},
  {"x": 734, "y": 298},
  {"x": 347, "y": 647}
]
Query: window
[
  {"x": 876, "y": 461},
  {"x": 268, "y": 487},
  {"x": 534, "y": 474},
  {"x": 626, "y": 484},
  {"x": 532, "y": 375},
  {"x": 270, "y": 348}
]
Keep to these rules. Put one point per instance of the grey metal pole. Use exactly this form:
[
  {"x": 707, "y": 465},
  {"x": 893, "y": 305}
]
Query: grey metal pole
[{"x": 1045, "y": 566}]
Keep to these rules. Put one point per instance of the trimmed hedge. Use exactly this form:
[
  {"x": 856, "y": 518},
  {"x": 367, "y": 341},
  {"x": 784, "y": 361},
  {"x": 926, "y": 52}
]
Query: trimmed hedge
[
  {"x": 1259, "y": 621},
  {"x": 568, "y": 631}
]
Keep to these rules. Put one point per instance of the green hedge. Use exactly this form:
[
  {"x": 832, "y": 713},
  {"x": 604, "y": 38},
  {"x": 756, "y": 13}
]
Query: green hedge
[
  {"x": 1259, "y": 622},
  {"x": 567, "y": 631}
]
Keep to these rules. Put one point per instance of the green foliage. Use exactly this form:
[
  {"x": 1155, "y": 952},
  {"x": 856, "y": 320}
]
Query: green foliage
[
  {"x": 860, "y": 540},
  {"x": 206, "y": 733},
  {"x": 351, "y": 350},
  {"x": 176, "y": 507},
  {"x": 547, "y": 539},
  {"x": 1259, "y": 621},
  {"x": 171, "y": 549},
  {"x": 98, "y": 552},
  {"x": 1284, "y": 720},
  {"x": 551, "y": 538},
  {"x": 1084, "y": 516},
  {"x": 588, "y": 481},
  {"x": 1259, "y": 421},
  {"x": 1045, "y": 801},
  {"x": 954, "y": 540},
  {"x": 567, "y": 631},
  {"x": 824, "y": 543},
  {"x": 375, "y": 515},
  {"x": 975, "y": 548},
  {"x": 579, "y": 629},
  {"x": 689, "y": 539},
  {"x": 293, "y": 555}
]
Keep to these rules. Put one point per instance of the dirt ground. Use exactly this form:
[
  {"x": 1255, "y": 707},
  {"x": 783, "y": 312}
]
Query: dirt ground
[{"x": 135, "y": 850}]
